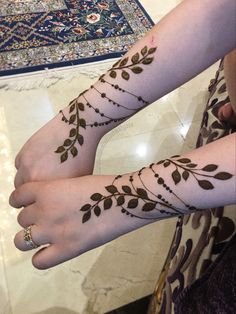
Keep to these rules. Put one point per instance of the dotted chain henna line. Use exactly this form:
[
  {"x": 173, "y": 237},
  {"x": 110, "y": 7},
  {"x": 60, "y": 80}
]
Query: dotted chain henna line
[
  {"x": 171, "y": 191},
  {"x": 159, "y": 196},
  {"x": 88, "y": 104},
  {"x": 161, "y": 201},
  {"x": 144, "y": 57},
  {"x": 103, "y": 95},
  {"x": 117, "y": 87},
  {"x": 131, "y": 196}
]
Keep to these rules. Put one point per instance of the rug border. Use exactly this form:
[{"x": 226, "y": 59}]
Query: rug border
[{"x": 65, "y": 64}]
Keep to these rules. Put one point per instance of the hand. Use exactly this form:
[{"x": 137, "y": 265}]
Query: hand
[
  {"x": 226, "y": 114},
  {"x": 37, "y": 159},
  {"x": 56, "y": 219}
]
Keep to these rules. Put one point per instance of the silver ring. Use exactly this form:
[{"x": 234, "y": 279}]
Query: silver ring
[{"x": 28, "y": 238}]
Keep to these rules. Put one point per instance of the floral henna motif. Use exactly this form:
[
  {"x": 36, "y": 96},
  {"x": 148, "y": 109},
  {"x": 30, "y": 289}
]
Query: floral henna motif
[
  {"x": 136, "y": 196},
  {"x": 78, "y": 105}
]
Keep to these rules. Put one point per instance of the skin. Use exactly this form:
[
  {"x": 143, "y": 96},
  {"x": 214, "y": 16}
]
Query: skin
[
  {"x": 227, "y": 113},
  {"x": 56, "y": 217},
  {"x": 58, "y": 220},
  {"x": 201, "y": 42}
]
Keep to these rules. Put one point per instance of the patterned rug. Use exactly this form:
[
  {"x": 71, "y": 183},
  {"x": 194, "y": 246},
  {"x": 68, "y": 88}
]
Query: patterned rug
[{"x": 39, "y": 34}]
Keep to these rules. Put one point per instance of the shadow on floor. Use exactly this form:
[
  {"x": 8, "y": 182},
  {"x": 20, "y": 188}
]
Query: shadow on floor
[{"x": 138, "y": 307}]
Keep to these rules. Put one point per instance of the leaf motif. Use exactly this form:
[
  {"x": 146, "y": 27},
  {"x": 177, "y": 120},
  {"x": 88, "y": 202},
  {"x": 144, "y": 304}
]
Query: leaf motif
[
  {"x": 116, "y": 64},
  {"x": 120, "y": 200},
  {"x": 185, "y": 175},
  {"x": 72, "y": 108},
  {"x": 60, "y": 149},
  {"x": 86, "y": 217},
  {"x": 113, "y": 74},
  {"x": 64, "y": 157},
  {"x": 67, "y": 142},
  {"x": 74, "y": 151},
  {"x": 166, "y": 164},
  {"x": 137, "y": 70},
  {"x": 147, "y": 207},
  {"x": 144, "y": 50},
  {"x": 82, "y": 123},
  {"x": 152, "y": 50},
  {"x": 191, "y": 165},
  {"x": 96, "y": 197},
  {"x": 124, "y": 62},
  {"x": 135, "y": 58},
  {"x": 111, "y": 189},
  {"x": 184, "y": 160},
  {"x": 85, "y": 207},
  {"x": 223, "y": 176},
  {"x": 126, "y": 189},
  {"x": 81, "y": 106},
  {"x": 72, "y": 118},
  {"x": 72, "y": 132},
  {"x": 97, "y": 211},
  {"x": 80, "y": 139},
  {"x": 210, "y": 168},
  {"x": 147, "y": 60},
  {"x": 107, "y": 203},
  {"x": 133, "y": 203},
  {"x": 142, "y": 193},
  {"x": 125, "y": 75},
  {"x": 206, "y": 185},
  {"x": 176, "y": 176}
]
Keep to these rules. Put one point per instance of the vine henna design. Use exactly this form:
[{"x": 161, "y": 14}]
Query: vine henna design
[
  {"x": 78, "y": 105},
  {"x": 137, "y": 59},
  {"x": 137, "y": 197}
]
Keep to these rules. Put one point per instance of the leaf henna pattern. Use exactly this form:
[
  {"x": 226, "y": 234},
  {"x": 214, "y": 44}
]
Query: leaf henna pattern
[
  {"x": 77, "y": 106},
  {"x": 139, "y": 58},
  {"x": 74, "y": 136},
  {"x": 185, "y": 168},
  {"x": 135, "y": 199}
]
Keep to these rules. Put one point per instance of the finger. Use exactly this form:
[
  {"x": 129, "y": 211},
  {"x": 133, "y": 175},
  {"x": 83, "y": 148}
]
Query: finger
[
  {"x": 18, "y": 181},
  {"x": 23, "y": 196},
  {"x": 51, "y": 256},
  {"x": 27, "y": 216},
  {"x": 17, "y": 161},
  {"x": 38, "y": 235}
]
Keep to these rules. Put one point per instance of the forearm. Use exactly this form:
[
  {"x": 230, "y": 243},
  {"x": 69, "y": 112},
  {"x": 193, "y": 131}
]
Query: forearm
[
  {"x": 201, "y": 179},
  {"x": 184, "y": 43}
]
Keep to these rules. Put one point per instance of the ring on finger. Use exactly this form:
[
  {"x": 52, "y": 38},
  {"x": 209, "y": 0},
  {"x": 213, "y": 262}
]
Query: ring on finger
[{"x": 28, "y": 238}]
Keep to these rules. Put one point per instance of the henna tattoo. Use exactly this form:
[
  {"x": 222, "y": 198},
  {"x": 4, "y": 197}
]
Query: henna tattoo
[
  {"x": 136, "y": 198},
  {"x": 137, "y": 59},
  {"x": 190, "y": 169},
  {"x": 78, "y": 105}
]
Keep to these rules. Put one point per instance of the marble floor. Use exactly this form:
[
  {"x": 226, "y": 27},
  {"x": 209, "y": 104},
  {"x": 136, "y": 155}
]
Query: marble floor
[{"x": 85, "y": 285}]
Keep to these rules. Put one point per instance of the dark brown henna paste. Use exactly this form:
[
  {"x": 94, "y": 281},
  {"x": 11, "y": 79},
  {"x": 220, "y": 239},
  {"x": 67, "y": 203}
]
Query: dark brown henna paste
[
  {"x": 133, "y": 64},
  {"x": 77, "y": 106},
  {"x": 185, "y": 168},
  {"x": 137, "y": 196}
]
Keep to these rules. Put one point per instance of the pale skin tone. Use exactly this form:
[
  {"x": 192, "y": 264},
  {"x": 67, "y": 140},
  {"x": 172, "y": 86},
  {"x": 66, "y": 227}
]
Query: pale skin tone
[
  {"x": 57, "y": 220},
  {"x": 56, "y": 216}
]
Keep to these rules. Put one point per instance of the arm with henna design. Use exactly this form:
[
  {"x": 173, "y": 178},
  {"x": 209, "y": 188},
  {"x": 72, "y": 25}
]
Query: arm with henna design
[
  {"x": 93, "y": 210},
  {"x": 156, "y": 65},
  {"x": 181, "y": 45},
  {"x": 171, "y": 187}
]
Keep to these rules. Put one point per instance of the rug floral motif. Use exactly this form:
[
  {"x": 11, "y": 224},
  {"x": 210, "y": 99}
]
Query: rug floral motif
[{"x": 39, "y": 34}]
